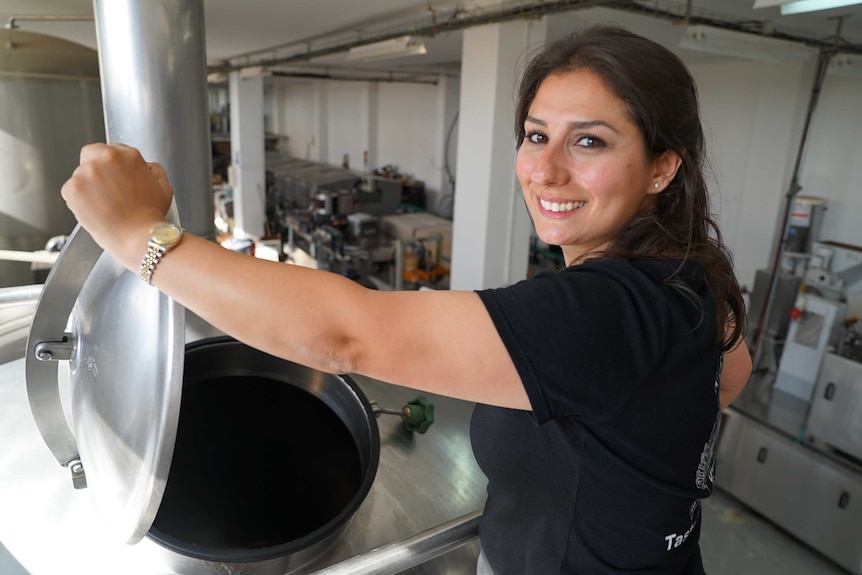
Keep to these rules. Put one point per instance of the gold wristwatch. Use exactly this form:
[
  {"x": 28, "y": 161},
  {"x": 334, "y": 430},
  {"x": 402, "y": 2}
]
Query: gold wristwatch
[{"x": 163, "y": 238}]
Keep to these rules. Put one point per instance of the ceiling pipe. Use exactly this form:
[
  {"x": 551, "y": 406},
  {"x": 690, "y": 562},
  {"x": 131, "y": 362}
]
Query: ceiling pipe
[
  {"x": 461, "y": 20},
  {"x": 520, "y": 11},
  {"x": 825, "y": 57},
  {"x": 386, "y": 78}
]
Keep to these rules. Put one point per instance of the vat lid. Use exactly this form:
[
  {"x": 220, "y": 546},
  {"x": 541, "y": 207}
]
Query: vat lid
[{"x": 126, "y": 368}]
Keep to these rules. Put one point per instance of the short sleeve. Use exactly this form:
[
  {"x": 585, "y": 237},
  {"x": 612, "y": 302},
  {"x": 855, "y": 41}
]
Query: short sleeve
[{"x": 583, "y": 339}]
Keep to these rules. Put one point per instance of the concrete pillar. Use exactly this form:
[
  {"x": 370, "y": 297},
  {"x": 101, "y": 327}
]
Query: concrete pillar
[
  {"x": 491, "y": 230},
  {"x": 247, "y": 151}
]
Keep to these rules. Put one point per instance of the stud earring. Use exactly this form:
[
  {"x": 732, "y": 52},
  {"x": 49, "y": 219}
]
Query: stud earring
[{"x": 655, "y": 185}]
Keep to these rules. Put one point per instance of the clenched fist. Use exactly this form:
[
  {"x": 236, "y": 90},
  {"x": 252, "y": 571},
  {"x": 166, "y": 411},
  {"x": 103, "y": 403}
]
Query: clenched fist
[{"x": 117, "y": 196}]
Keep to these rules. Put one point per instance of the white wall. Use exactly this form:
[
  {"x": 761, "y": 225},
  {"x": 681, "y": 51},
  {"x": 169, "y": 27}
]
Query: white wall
[
  {"x": 348, "y": 105},
  {"x": 832, "y": 167},
  {"x": 295, "y": 105},
  {"x": 408, "y": 124},
  {"x": 752, "y": 115},
  {"x": 408, "y": 119},
  {"x": 752, "y": 112}
]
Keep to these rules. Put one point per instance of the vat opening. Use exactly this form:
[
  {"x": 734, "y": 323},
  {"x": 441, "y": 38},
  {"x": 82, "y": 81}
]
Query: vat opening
[{"x": 258, "y": 463}]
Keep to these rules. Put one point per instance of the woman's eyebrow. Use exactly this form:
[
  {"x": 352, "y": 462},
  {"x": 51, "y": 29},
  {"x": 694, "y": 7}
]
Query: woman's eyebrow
[{"x": 580, "y": 125}]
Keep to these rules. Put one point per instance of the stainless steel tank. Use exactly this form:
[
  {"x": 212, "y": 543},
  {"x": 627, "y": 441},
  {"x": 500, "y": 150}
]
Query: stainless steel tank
[
  {"x": 185, "y": 450},
  {"x": 270, "y": 463},
  {"x": 52, "y": 105}
]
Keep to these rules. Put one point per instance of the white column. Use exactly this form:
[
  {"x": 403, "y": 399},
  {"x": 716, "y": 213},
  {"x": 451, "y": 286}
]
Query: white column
[
  {"x": 491, "y": 230},
  {"x": 247, "y": 151}
]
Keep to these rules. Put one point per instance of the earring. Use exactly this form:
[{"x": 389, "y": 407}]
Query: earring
[{"x": 655, "y": 185}]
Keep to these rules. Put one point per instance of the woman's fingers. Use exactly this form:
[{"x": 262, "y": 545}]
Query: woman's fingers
[{"x": 114, "y": 190}]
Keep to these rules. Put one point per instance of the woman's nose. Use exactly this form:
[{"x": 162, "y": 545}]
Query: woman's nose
[{"x": 549, "y": 167}]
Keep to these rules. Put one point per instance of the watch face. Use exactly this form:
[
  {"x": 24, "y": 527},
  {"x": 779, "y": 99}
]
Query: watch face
[{"x": 166, "y": 234}]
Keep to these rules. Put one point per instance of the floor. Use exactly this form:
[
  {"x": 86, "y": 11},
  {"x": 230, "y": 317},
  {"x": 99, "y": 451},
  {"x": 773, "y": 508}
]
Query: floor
[{"x": 735, "y": 540}]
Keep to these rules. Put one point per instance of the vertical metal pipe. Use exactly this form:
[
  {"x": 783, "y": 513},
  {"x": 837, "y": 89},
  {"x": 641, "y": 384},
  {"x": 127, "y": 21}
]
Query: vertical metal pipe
[
  {"x": 152, "y": 58},
  {"x": 824, "y": 58}
]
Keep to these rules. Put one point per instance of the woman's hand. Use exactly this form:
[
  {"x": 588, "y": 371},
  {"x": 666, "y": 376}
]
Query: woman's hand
[{"x": 117, "y": 197}]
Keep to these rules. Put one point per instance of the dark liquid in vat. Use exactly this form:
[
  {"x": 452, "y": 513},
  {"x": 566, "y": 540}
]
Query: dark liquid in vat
[{"x": 257, "y": 463}]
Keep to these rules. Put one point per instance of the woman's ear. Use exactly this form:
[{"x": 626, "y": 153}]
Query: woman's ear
[{"x": 665, "y": 168}]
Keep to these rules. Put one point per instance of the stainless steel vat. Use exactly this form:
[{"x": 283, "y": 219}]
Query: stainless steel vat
[
  {"x": 422, "y": 482},
  {"x": 227, "y": 457},
  {"x": 126, "y": 351},
  {"x": 49, "y": 94},
  {"x": 270, "y": 463}
]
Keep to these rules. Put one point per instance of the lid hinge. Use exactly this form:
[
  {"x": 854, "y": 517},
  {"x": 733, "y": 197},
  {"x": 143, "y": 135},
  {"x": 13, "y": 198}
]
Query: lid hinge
[
  {"x": 56, "y": 350},
  {"x": 79, "y": 479}
]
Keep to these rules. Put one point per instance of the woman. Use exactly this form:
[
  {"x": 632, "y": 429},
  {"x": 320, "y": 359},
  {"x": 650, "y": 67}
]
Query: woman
[{"x": 599, "y": 386}]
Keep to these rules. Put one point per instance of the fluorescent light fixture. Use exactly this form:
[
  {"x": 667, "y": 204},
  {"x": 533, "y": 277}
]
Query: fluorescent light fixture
[
  {"x": 802, "y": 6},
  {"x": 742, "y": 45},
  {"x": 393, "y": 48},
  {"x": 217, "y": 78},
  {"x": 768, "y": 3},
  {"x": 254, "y": 72}
]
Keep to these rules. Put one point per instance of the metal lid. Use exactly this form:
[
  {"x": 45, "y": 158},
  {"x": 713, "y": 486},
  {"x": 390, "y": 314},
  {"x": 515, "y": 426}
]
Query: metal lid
[
  {"x": 126, "y": 384},
  {"x": 127, "y": 352}
]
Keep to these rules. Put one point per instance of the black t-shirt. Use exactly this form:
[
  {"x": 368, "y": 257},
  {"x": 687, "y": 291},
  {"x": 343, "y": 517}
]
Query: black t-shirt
[{"x": 606, "y": 474}]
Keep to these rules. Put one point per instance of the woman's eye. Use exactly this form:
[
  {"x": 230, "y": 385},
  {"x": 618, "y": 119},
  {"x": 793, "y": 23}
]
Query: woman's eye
[
  {"x": 590, "y": 142},
  {"x": 535, "y": 137}
]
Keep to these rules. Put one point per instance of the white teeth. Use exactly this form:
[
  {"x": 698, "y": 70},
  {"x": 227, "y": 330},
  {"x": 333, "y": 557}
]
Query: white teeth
[{"x": 561, "y": 207}]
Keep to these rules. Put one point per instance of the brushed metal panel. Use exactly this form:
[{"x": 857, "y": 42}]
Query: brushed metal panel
[
  {"x": 836, "y": 408},
  {"x": 800, "y": 490},
  {"x": 728, "y": 443}
]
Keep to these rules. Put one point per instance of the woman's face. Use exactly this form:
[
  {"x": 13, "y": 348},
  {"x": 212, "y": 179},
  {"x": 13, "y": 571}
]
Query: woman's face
[{"x": 582, "y": 166}]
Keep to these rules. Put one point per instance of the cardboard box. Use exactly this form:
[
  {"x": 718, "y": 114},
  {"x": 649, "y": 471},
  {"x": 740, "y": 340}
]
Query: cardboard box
[{"x": 419, "y": 225}]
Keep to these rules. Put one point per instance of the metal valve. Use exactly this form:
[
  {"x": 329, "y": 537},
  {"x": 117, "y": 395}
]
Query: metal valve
[{"x": 417, "y": 414}]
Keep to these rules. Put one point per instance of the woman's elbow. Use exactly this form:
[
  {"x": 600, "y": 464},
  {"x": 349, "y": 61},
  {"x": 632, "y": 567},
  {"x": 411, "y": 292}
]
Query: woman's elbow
[{"x": 734, "y": 374}]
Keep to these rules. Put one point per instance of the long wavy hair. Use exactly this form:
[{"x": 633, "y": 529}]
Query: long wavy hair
[{"x": 661, "y": 99}]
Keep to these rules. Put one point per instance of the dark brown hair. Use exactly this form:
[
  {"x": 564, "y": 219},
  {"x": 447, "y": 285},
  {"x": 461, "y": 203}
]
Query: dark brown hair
[{"x": 661, "y": 100}]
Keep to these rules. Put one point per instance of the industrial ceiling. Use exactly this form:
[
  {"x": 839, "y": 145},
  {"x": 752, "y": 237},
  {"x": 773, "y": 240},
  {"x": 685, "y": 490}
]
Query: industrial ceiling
[{"x": 252, "y": 32}]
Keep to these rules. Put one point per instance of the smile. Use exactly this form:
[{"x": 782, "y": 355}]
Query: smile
[{"x": 561, "y": 206}]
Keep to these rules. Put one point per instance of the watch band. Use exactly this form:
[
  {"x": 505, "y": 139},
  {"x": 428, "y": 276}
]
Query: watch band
[
  {"x": 151, "y": 258},
  {"x": 163, "y": 238}
]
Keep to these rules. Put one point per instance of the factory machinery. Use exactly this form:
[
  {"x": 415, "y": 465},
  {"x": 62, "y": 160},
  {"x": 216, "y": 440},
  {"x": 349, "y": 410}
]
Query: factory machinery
[
  {"x": 369, "y": 227},
  {"x": 791, "y": 444}
]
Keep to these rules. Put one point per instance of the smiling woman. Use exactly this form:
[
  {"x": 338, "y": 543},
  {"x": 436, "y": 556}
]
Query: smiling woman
[
  {"x": 583, "y": 166},
  {"x": 599, "y": 386}
]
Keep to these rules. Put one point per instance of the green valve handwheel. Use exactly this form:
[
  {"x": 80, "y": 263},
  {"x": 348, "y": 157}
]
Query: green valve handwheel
[{"x": 418, "y": 414}]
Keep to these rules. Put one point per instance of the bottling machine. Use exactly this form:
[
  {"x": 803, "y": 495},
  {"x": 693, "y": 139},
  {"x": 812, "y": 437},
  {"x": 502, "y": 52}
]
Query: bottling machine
[{"x": 791, "y": 444}]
